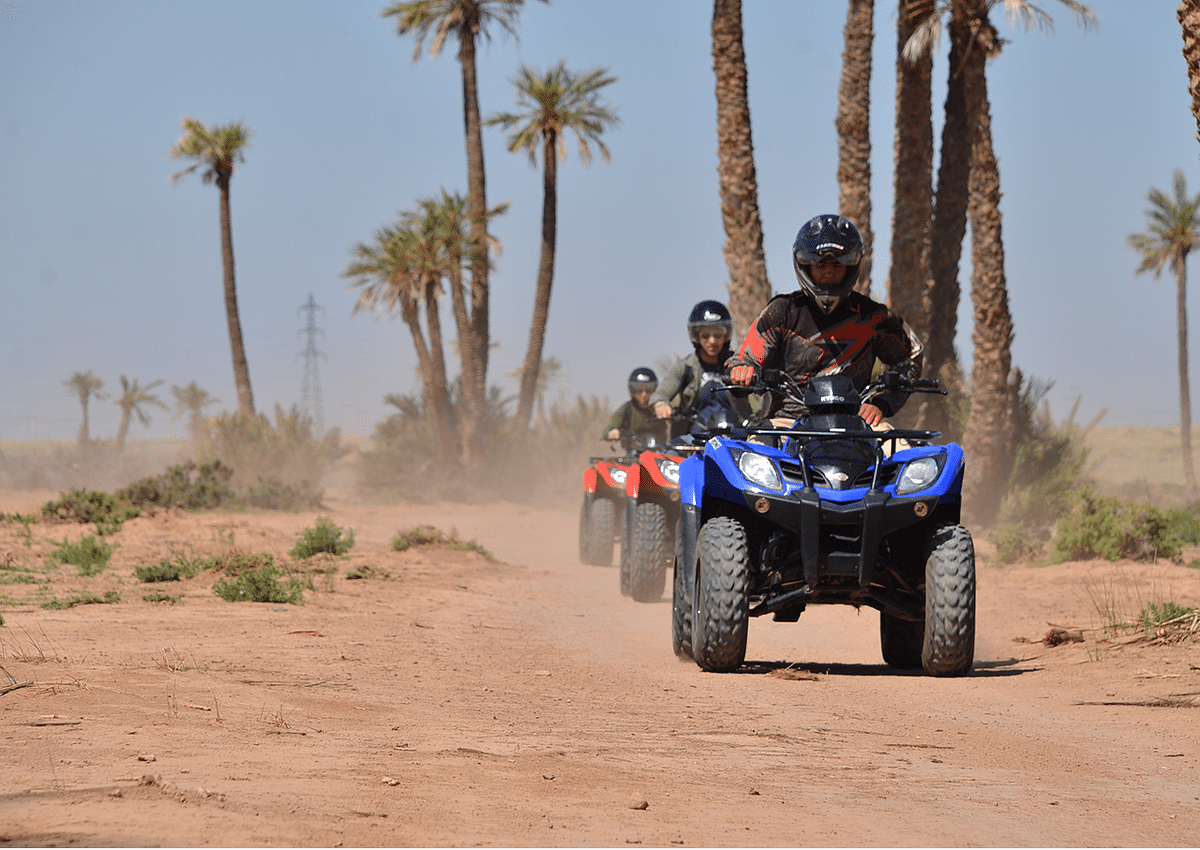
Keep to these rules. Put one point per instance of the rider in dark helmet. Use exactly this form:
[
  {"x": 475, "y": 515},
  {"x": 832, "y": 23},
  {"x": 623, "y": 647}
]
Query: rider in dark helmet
[
  {"x": 635, "y": 415},
  {"x": 826, "y": 328},
  {"x": 710, "y": 328}
]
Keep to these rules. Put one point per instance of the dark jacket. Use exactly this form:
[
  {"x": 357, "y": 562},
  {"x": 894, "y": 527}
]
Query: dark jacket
[{"x": 794, "y": 335}]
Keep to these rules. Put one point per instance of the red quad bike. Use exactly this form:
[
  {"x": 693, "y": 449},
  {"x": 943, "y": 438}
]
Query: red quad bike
[
  {"x": 652, "y": 498},
  {"x": 602, "y": 513},
  {"x": 651, "y": 516}
]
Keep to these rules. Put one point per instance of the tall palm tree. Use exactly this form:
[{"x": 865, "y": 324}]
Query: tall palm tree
[
  {"x": 968, "y": 55},
  {"x": 404, "y": 267},
  {"x": 1173, "y": 230},
  {"x": 85, "y": 386},
  {"x": 191, "y": 401},
  {"x": 987, "y": 437},
  {"x": 853, "y": 124},
  {"x": 1188, "y": 15},
  {"x": 749, "y": 288},
  {"x": 133, "y": 397},
  {"x": 913, "y": 180},
  {"x": 551, "y": 104},
  {"x": 466, "y": 20},
  {"x": 995, "y": 386},
  {"x": 215, "y": 151},
  {"x": 448, "y": 219}
]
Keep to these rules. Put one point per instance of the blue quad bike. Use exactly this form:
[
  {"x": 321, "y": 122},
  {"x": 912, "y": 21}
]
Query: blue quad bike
[{"x": 833, "y": 513}]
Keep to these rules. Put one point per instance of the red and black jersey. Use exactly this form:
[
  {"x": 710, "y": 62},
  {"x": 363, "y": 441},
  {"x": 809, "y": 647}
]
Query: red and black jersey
[{"x": 794, "y": 335}]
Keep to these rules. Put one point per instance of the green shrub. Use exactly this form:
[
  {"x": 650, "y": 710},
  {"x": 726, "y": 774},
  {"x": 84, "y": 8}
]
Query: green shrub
[
  {"x": 185, "y": 485},
  {"x": 287, "y": 450},
  {"x": 1107, "y": 527},
  {"x": 1155, "y": 614},
  {"x": 236, "y": 563},
  {"x": 89, "y": 506},
  {"x": 420, "y": 535},
  {"x": 261, "y": 584},
  {"x": 110, "y": 597},
  {"x": 427, "y": 535},
  {"x": 271, "y": 494},
  {"x": 90, "y": 554},
  {"x": 325, "y": 537},
  {"x": 166, "y": 570},
  {"x": 366, "y": 571}
]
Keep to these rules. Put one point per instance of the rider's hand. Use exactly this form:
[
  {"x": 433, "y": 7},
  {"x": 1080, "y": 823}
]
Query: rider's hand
[
  {"x": 614, "y": 434},
  {"x": 870, "y": 414},
  {"x": 663, "y": 410},
  {"x": 741, "y": 375}
]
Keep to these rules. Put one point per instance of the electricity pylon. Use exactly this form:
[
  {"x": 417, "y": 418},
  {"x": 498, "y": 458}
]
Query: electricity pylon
[{"x": 310, "y": 389}]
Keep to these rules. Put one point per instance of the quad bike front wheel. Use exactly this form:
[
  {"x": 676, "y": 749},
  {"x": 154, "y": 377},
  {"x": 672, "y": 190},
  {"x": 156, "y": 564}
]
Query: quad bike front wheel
[
  {"x": 949, "y": 646},
  {"x": 721, "y": 609},
  {"x": 651, "y": 550},
  {"x": 596, "y": 529}
]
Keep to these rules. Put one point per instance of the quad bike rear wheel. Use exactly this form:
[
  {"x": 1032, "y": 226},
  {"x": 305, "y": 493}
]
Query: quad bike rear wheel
[
  {"x": 949, "y": 642},
  {"x": 901, "y": 641},
  {"x": 721, "y": 610},
  {"x": 652, "y": 540}
]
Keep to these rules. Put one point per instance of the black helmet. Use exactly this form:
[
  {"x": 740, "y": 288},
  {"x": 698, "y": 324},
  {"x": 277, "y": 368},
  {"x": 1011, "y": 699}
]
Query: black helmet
[
  {"x": 827, "y": 237},
  {"x": 709, "y": 314},
  {"x": 642, "y": 378}
]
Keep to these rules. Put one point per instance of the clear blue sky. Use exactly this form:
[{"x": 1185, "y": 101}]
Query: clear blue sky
[{"x": 107, "y": 266}]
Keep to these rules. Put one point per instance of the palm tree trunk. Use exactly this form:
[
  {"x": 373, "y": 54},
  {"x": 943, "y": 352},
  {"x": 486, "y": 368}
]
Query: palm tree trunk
[
  {"x": 541, "y": 301},
  {"x": 749, "y": 289},
  {"x": 84, "y": 432},
  {"x": 439, "y": 393},
  {"x": 988, "y": 438},
  {"x": 912, "y": 212},
  {"x": 949, "y": 223},
  {"x": 854, "y": 130},
  {"x": 411, "y": 313},
  {"x": 474, "y": 349},
  {"x": 241, "y": 369},
  {"x": 1188, "y": 15},
  {"x": 1185, "y": 396}
]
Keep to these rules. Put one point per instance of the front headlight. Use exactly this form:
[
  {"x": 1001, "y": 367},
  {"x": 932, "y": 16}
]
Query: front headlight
[
  {"x": 669, "y": 470},
  {"x": 918, "y": 474},
  {"x": 618, "y": 477},
  {"x": 760, "y": 470}
]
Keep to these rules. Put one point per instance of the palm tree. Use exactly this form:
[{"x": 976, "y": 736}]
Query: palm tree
[
  {"x": 466, "y": 20},
  {"x": 1188, "y": 15},
  {"x": 968, "y": 55},
  {"x": 85, "y": 386},
  {"x": 853, "y": 124},
  {"x": 995, "y": 386},
  {"x": 404, "y": 266},
  {"x": 551, "y": 104},
  {"x": 1173, "y": 230},
  {"x": 216, "y": 150},
  {"x": 447, "y": 218},
  {"x": 749, "y": 288},
  {"x": 913, "y": 181},
  {"x": 191, "y": 400},
  {"x": 132, "y": 398}
]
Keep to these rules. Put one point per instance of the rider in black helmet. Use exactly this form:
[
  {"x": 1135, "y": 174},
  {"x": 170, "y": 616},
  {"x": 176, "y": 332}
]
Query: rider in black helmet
[
  {"x": 710, "y": 328},
  {"x": 826, "y": 328},
  {"x": 634, "y": 415}
]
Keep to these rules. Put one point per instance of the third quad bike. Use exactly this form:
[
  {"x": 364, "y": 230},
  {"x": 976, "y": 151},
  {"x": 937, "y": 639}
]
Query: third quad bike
[
  {"x": 835, "y": 512},
  {"x": 602, "y": 512}
]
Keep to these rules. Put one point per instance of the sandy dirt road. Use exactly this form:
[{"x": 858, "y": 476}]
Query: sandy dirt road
[{"x": 524, "y": 702}]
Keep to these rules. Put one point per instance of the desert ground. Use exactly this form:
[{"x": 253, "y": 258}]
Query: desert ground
[{"x": 520, "y": 700}]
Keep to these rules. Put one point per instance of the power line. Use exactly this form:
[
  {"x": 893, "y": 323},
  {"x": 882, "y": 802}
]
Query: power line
[{"x": 310, "y": 388}]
